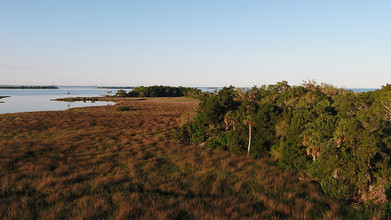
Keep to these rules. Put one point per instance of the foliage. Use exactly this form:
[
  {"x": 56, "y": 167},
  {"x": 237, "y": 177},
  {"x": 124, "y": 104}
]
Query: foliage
[
  {"x": 160, "y": 91},
  {"x": 122, "y": 108},
  {"x": 121, "y": 93},
  {"x": 339, "y": 137}
]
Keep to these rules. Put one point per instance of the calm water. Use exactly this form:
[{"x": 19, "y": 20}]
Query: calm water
[
  {"x": 362, "y": 89},
  {"x": 28, "y": 100}
]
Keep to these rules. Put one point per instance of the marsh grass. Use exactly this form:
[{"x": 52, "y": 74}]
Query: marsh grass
[{"x": 96, "y": 162}]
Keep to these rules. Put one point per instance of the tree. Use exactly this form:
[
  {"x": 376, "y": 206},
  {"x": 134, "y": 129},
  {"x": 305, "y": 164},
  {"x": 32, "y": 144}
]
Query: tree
[
  {"x": 121, "y": 93},
  {"x": 249, "y": 109}
]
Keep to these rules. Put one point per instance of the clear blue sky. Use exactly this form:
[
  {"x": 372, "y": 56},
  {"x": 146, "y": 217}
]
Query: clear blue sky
[{"x": 195, "y": 42}]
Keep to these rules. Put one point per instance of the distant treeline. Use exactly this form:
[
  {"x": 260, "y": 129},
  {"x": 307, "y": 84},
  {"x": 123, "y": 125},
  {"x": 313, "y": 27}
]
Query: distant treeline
[
  {"x": 115, "y": 87},
  {"x": 77, "y": 99},
  {"x": 340, "y": 138},
  {"x": 160, "y": 91},
  {"x": 28, "y": 87}
]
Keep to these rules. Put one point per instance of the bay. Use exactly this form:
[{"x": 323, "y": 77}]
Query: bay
[{"x": 29, "y": 100}]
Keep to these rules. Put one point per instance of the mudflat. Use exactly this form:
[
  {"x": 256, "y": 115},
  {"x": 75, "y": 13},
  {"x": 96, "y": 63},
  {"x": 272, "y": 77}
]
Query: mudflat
[{"x": 96, "y": 162}]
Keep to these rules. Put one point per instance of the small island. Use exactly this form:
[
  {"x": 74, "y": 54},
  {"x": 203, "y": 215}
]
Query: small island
[
  {"x": 28, "y": 87},
  {"x": 2, "y": 97}
]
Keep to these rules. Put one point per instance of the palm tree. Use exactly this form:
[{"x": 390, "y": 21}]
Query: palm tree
[
  {"x": 248, "y": 119},
  {"x": 250, "y": 125}
]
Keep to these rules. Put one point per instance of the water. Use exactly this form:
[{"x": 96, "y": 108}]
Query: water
[
  {"x": 362, "y": 89},
  {"x": 28, "y": 100}
]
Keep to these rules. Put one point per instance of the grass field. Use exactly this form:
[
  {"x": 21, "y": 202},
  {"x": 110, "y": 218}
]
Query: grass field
[{"x": 97, "y": 162}]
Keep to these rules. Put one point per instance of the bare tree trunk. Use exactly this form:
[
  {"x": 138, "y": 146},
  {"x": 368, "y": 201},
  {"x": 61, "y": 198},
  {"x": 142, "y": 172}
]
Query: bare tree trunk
[{"x": 249, "y": 137}]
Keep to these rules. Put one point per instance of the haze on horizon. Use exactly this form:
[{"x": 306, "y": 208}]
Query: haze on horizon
[{"x": 195, "y": 43}]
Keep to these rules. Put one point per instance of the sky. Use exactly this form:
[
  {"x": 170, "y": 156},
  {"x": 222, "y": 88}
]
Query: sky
[{"x": 195, "y": 42}]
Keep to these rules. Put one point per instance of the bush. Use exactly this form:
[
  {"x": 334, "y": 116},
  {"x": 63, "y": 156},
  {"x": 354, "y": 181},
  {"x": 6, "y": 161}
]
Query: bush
[
  {"x": 336, "y": 188},
  {"x": 220, "y": 142},
  {"x": 199, "y": 130},
  {"x": 122, "y": 108},
  {"x": 121, "y": 93}
]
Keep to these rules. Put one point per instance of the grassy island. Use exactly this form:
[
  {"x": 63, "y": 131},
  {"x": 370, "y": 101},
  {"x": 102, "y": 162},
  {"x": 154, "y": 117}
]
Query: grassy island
[
  {"x": 125, "y": 161},
  {"x": 78, "y": 99},
  {"x": 28, "y": 87},
  {"x": 2, "y": 97}
]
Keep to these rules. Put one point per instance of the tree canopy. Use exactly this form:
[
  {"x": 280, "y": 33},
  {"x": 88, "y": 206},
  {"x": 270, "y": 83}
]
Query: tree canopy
[
  {"x": 160, "y": 91},
  {"x": 341, "y": 138}
]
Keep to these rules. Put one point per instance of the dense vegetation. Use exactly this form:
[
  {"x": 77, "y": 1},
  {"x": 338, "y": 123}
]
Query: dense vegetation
[
  {"x": 160, "y": 91},
  {"x": 340, "y": 138},
  {"x": 28, "y": 87},
  {"x": 122, "y": 108}
]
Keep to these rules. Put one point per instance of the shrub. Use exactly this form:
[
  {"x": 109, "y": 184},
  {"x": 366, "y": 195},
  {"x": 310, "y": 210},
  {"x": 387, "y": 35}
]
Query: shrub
[
  {"x": 336, "y": 188},
  {"x": 220, "y": 142},
  {"x": 122, "y": 108},
  {"x": 121, "y": 93}
]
